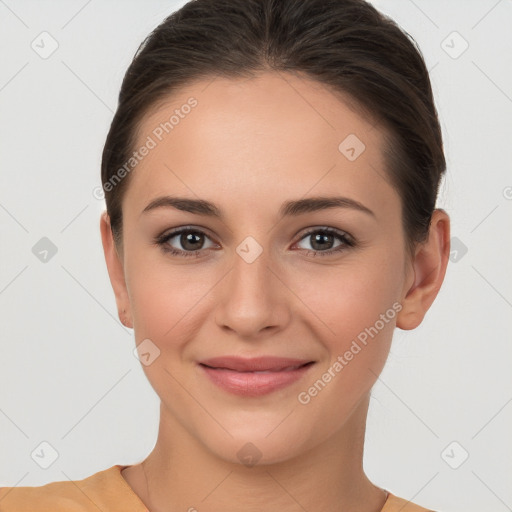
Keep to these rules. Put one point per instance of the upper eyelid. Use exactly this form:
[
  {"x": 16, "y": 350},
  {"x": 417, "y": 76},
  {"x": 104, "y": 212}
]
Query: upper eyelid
[
  {"x": 341, "y": 234},
  {"x": 177, "y": 231},
  {"x": 327, "y": 229}
]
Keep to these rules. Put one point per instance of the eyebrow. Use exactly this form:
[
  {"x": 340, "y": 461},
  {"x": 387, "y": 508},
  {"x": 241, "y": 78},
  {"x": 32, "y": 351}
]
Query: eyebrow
[{"x": 288, "y": 208}]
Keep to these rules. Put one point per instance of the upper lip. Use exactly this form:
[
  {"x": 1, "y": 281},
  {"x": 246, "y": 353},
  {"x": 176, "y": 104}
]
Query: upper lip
[{"x": 263, "y": 363}]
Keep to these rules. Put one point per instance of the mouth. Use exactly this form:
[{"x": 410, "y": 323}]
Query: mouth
[{"x": 254, "y": 377}]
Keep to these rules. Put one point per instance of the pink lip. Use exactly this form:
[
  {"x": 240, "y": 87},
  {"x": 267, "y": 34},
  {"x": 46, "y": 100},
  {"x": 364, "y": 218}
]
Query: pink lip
[{"x": 236, "y": 375}]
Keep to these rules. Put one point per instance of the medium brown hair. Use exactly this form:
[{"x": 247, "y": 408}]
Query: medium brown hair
[{"x": 345, "y": 44}]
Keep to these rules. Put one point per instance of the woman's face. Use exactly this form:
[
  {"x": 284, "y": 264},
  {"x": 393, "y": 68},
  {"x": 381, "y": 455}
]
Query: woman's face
[{"x": 265, "y": 279}]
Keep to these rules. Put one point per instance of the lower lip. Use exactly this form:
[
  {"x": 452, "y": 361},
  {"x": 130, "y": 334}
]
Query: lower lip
[{"x": 253, "y": 384}]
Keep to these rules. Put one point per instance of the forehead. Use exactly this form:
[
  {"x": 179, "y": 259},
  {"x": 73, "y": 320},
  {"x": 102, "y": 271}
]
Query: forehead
[{"x": 265, "y": 137}]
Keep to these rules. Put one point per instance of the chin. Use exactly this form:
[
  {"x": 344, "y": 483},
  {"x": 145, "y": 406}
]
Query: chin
[
  {"x": 259, "y": 453},
  {"x": 256, "y": 447}
]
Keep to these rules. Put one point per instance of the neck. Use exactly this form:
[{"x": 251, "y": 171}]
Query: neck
[{"x": 183, "y": 475}]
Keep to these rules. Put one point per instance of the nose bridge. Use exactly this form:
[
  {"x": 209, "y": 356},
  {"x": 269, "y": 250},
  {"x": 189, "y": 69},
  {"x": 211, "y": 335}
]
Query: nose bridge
[
  {"x": 250, "y": 265},
  {"x": 252, "y": 297}
]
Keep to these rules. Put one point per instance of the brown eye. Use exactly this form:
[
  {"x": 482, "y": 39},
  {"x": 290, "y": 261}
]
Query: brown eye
[
  {"x": 184, "y": 242},
  {"x": 323, "y": 241},
  {"x": 191, "y": 240}
]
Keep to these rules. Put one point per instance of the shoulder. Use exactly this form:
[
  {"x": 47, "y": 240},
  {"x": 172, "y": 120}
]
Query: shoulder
[
  {"x": 106, "y": 491},
  {"x": 396, "y": 504}
]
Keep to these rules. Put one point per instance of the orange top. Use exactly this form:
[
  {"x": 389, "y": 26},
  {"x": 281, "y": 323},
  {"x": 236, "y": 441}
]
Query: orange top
[{"x": 108, "y": 491}]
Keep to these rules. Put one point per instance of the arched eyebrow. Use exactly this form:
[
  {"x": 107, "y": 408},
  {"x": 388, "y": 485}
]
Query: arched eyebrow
[{"x": 288, "y": 208}]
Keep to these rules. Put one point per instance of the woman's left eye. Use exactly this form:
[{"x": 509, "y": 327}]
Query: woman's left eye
[
  {"x": 322, "y": 240},
  {"x": 192, "y": 241}
]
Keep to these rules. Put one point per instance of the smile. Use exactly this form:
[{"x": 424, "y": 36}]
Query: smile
[{"x": 254, "y": 377}]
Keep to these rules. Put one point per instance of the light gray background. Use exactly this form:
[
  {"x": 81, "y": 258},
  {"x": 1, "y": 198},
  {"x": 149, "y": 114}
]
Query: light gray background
[{"x": 68, "y": 375}]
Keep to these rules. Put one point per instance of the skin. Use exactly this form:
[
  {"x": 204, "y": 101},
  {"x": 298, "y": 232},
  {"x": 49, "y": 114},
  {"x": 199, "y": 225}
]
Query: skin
[{"x": 248, "y": 146}]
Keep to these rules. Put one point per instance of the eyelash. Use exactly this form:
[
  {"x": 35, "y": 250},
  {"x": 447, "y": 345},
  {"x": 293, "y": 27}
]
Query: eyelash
[{"x": 162, "y": 240}]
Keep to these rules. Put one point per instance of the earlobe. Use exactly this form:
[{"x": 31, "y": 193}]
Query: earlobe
[
  {"x": 115, "y": 271},
  {"x": 429, "y": 268}
]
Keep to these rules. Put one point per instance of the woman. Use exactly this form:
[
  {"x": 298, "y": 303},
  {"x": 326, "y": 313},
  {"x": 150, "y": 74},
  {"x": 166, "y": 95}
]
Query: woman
[{"x": 270, "y": 176}]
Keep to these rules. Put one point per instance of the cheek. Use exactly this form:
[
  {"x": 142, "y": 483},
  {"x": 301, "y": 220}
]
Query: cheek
[
  {"x": 352, "y": 296},
  {"x": 166, "y": 301},
  {"x": 162, "y": 293},
  {"x": 359, "y": 305},
  {"x": 344, "y": 299},
  {"x": 163, "y": 299}
]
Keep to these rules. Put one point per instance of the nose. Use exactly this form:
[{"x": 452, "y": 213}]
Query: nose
[{"x": 253, "y": 300}]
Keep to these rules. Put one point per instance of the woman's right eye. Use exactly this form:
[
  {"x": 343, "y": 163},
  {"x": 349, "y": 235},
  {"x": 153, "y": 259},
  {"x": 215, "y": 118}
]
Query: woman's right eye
[{"x": 191, "y": 241}]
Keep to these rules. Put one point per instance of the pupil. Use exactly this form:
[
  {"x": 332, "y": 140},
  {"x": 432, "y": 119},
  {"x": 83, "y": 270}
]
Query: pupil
[
  {"x": 188, "y": 239},
  {"x": 318, "y": 239}
]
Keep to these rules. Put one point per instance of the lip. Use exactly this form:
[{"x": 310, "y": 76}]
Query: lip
[{"x": 238, "y": 375}]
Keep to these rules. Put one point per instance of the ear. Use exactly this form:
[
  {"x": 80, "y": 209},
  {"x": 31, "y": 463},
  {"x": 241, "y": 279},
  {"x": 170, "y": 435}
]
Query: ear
[
  {"x": 115, "y": 271},
  {"x": 428, "y": 271}
]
